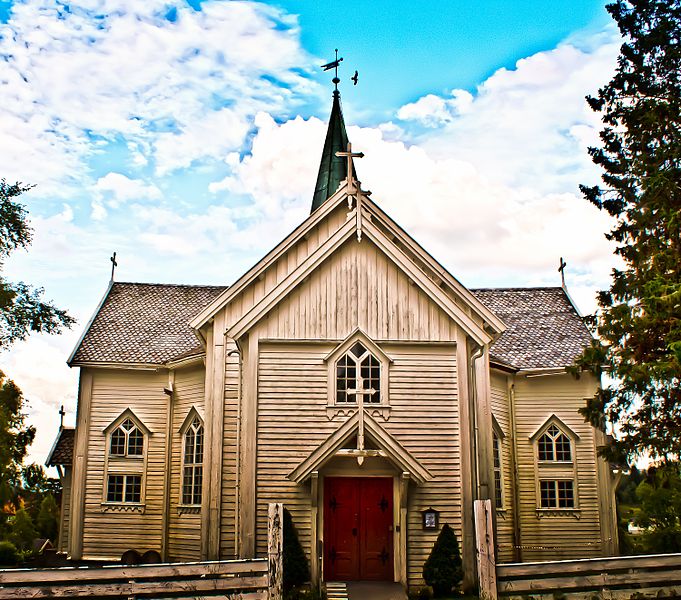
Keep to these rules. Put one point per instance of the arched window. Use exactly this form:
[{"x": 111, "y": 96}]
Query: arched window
[
  {"x": 498, "y": 487},
  {"x": 127, "y": 440},
  {"x": 358, "y": 371},
  {"x": 125, "y": 461},
  {"x": 554, "y": 445},
  {"x": 192, "y": 469}
]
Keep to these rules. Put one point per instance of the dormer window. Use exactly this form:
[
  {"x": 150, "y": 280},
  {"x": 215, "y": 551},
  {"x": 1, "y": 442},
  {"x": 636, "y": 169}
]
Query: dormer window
[
  {"x": 127, "y": 440},
  {"x": 358, "y": 372}
]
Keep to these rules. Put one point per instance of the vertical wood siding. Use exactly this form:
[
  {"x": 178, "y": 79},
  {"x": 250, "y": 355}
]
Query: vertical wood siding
[
  {"x": 501, "y": 411},
  {"x": 292, "y": 422},
  {"x": 358, "y": 287},
  {"x": 109, "y": 534},
  {"x": 65, "y": 515},
  {"x": 229, "y": 453},
  {"x": 184, "y": 530},
  {"x": 556, "y": 537}
]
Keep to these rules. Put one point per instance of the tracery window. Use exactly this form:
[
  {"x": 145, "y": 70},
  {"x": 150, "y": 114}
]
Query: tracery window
[
  {"x": 556, "y": 468},
  {"x": 125, "y": 462},
  {"x": 127, "y": 440},
  {"x": 192, "y": 470},
  {"x": 358, "y": 371},
  {"x": 554, "y": 445}
]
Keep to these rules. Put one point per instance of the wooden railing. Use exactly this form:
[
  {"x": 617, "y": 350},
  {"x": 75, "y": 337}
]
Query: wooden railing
[
  {"x": 617, "y": 577},
  {"x": 259, "y": 579}
]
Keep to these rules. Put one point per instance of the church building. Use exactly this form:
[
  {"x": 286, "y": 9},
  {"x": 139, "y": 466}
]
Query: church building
[{"x": 349, "y": 376}]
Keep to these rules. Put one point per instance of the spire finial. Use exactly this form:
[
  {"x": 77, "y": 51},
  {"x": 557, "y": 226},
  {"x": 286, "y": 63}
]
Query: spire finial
[
  {"x": 62, "y": 412},
  {"x": 334, "y": 65}
]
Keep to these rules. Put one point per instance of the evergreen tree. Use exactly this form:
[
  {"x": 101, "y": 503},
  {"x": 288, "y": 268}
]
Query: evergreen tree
[
  {"x": 639, "y": 321},
  {"x": 48, "y": 518},
  {"x": 660, "y": 497},
  {"x": 296, "y": 568},
  {"x": 21, "y": 308},
  {"x": 442, "y": 570},
  {"x": 22, "y": 532}
]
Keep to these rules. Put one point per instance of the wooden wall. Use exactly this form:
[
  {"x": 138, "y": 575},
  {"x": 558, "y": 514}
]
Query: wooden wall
[
  {"x": 229, "y": 453},
  {"x": 107, "y": 534},
  {"x": 358, "y": 287},
  {"x": 292, "y": 422},
  {"x": 559, "y": 536},
  {"x": 184, "y": 525},
  {"x": 65, "y": 511},
  {"x": 505, "y": 516}
]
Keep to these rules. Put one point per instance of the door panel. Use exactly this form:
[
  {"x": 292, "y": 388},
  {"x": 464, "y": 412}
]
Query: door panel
[{"x": 358, "y": 524}]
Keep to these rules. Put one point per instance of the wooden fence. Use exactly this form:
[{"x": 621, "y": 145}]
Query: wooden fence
[
  {"x": 637, "y": 577},
  {"x": 259, "y": 579}
]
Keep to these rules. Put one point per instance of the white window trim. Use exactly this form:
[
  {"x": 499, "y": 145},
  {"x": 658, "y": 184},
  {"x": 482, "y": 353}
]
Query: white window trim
[
  {"x": 381, "y": 408},
  {"x": 188, "y": 420},
  {"x": 125, "y": 465}
]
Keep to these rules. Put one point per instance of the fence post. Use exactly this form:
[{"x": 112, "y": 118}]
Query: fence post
[
  {"x": 484, "y": 550},
  {"x": 275, "y": 547}
]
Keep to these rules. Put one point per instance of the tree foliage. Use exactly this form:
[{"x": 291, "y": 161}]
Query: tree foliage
[
  {"x": 442, "y": 570},
  {"x": 22, "y": 309},
  {"x": 639, "y": 321},
  {"x": 660, "y": 497}
]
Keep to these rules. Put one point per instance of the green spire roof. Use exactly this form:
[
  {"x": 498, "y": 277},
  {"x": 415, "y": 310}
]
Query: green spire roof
[{"x": 332, "y": 169}]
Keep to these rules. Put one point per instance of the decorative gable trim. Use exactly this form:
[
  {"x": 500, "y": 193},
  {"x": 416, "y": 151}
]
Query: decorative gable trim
[
  {"x": 291, "y": 281},
  {"x": 127, "y": 414},
  {"x": 193, "y": 412},
  {"x": 497, "y": 427},
  {"x": 291, "y": 240},
  {"x": 394, "y": 451},
  {"x": 554, "y": 420},
  {"x": 357, "y": 335}
]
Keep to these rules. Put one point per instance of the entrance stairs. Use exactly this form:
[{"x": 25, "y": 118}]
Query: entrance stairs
[
  {"x": 336, "y": 590},
  {"x": 364, "y": 590}
]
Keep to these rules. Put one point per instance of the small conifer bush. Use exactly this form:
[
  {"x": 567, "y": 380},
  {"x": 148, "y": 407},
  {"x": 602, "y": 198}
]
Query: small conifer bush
[
  {"x": 442, "y": 571},
  {"x": 296, "y": 569},
  {"x": 8, "y": 554}
]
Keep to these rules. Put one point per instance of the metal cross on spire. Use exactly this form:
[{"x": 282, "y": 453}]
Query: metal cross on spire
[
  {"x": 62, "y": 413},
  {"x": 561, "y": 270},
  {"x": 353, "y": 189},
  {"x": 114, "y": 264}
]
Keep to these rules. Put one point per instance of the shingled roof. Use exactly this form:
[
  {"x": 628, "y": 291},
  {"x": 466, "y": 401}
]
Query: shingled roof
[
  {"x": 148, "y": 324},
  {"x": 62, "y": 451},
  {"x": 544, "y": 329},
  {"x": 144, "y": 323}
]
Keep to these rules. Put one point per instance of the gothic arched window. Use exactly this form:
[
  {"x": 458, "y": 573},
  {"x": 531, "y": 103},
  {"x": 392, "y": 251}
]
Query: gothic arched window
[
  {"x": 554, "y": 445},
  {"x": 192, "y": 466},
  {"x": 358, "y": 371},
  {"x": 127, "y": 440}
]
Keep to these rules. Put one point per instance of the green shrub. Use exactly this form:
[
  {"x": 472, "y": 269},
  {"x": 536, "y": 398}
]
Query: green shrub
[
  {"x": 442, "y": 571},
  {"x": 48, "y": 518},
  {"x": 22, "y": 533},
  {"x": 296, "y": 569},
  {"x": 8, "y": 554}
]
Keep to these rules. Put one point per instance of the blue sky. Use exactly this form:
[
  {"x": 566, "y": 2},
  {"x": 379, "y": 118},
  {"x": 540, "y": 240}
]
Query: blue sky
[{"x": 186, "y": 137}]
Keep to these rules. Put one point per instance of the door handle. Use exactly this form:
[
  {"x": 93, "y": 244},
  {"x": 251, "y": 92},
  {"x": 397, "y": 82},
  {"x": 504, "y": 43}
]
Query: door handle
[{"x": 354, "y": 531}]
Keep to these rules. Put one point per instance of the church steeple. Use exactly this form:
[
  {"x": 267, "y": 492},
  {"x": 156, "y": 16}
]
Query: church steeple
[{"x": 332, "y": 169}]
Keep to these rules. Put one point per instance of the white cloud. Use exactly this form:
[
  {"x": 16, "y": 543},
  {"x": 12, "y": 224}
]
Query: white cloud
[
  {"x": 115, "y": 189},
  {"x": 119, "y": 69}
]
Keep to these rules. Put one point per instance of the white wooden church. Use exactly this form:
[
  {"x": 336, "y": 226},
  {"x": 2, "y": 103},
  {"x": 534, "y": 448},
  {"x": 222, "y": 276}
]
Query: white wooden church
[{"x": 349, "y": 376}]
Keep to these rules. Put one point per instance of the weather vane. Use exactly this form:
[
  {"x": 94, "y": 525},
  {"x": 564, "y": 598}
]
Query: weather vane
[{"x": 334, "y": 64}]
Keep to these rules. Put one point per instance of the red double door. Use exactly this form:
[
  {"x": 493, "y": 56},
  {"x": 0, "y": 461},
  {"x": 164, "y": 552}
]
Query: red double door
[{"x": 358, "y": 528}]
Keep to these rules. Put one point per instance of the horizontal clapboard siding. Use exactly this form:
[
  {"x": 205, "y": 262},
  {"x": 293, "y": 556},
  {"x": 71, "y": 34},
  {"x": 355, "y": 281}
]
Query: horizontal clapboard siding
[
  {"x": 184, "y": 536},
  {"x": 501, "y": 411},
  {"x": 358, "y": 287},
  {"x": 292, "y": 423},
  {"x": 62, "y": 546},
  {"x": 109, "y": 534},
  {"x": 561, "y": 536}
]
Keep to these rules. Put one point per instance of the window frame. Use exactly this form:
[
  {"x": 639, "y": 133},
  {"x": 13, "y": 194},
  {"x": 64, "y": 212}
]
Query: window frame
[
  {"x": 500, "y": 501},
  {"x": 553, "y": 470},
  {"x": 192, "y": 415},
  {"x": 379, "y": 408},
  {"x": 126, "y": 465}
]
